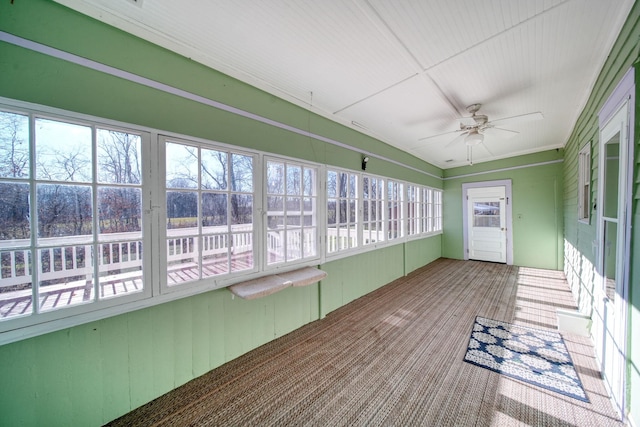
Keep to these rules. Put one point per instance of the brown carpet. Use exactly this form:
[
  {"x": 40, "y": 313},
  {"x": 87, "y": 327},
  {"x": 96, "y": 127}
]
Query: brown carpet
[{"x": 395, "y": 357}]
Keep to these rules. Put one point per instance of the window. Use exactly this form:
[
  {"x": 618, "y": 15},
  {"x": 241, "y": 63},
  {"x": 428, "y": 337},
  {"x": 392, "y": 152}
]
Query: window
[
  {"x": 209, "y": 216},
  {"x": 85, "y": 218},
  {"x": 395, "y": 214},
  {"x": 584, "y": 183},
  {"x": 342, "y": 211},
  {"x": 71, "y": 227},
  {"x": 373, "y": 211},
  {"x": 291, "y": 231},
  {"x": 437, "y": 210}
]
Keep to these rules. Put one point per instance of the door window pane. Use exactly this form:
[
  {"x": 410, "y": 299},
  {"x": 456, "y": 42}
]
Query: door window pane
[{"x": 486, "y": 214}]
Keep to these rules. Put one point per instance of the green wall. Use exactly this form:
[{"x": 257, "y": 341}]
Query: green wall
[
  {"x": 580, "y": 255},
  {"x": 92, "y": 373},
  {"x": 536, "y": 181}
]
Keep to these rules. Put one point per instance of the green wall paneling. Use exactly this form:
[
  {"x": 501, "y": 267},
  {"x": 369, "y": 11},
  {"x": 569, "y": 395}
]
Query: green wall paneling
[
  {"x": 352, "y": 277},
  {"x": 418, "y": 253}
]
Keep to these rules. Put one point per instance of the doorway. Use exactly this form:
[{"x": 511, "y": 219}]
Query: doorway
[
  {"x": 487, "y": 221},
  {"x": 613, "y": 237}
]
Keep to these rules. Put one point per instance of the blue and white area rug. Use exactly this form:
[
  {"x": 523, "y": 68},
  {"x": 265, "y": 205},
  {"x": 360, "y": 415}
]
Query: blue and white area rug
[{"x": 532, "y": 355}]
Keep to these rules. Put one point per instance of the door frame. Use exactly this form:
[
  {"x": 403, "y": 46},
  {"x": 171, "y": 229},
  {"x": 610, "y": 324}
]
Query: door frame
[
  {"x": 506, "y": 183},
  {"x": 624, "y": 93}
]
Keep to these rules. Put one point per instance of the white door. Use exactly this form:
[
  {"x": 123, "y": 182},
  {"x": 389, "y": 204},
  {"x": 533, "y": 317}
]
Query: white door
[
  {"x": 613, "y": 214},
  {"x": 486, "y": 224}
]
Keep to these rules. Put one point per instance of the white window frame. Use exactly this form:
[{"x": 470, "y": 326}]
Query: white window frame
[
  {"x": 584, "y": 184},
  {"x": 333, "y": 234},
  {"x": 155, "y": 290},
  {"x": 213, "y": 281},
  {"x": 317, "y": 199},
  {"x": 10, "y": 329},
  {"x": 395, "y": 210}
]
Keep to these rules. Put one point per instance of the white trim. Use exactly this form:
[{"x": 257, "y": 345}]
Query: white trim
[
  {"x": 532, "y": 165},
  {"x": 465, "y": 230},
  {"x": 116, "y": 72}
]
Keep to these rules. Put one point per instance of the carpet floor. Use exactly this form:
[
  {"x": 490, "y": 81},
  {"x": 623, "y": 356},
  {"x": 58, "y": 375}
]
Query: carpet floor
[{"x": 396, "y": 357}]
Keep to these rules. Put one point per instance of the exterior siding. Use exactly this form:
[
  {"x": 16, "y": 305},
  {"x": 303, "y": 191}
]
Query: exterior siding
[{"x": 580, "y": 252}]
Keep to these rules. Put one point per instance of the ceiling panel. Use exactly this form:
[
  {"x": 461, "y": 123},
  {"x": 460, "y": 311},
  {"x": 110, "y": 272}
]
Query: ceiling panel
[{"x": 400, "y": 70}]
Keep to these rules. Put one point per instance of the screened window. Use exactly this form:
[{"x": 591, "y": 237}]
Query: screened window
[
  {"x": 584, "y": 183},
  {"x": 71, "y": 217},
  {"x": 209, "y": 199},
  {"x": 292, "y": 229},
  {"x": 342, "y": 211},
  {"x": 415, "y": 210},
  {"x": 372, "y": 210}
]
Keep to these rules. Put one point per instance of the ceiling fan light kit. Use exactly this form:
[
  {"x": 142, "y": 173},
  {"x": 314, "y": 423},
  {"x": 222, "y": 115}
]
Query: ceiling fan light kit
[{"x": 473, "y": 138}]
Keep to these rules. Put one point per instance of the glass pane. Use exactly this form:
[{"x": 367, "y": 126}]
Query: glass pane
[
  {"x": 275, "y": 246},
  {"x": 353, "y": 210},
  {"x": 486, "y": 214},
  {"x": 119, "y": 157},
  {"x": 242, "y": 250},
  {"x": 611, "y": 173},
  {"x": 182, "y": 210},
  {"x": 309, "y": 182},
  {"x": 275, "y": 178},
  {"x": 309, "y": 243},
  {"x": 610, "y": 249},
  {"x": 65, "y": 276},
  {"x": 294, "y": 205},
  {"x": 343, "y": 184},
  {"x": 182, "y": 166},
  {"x": 120, "y": 268},
  {"x": 294, "y": 243},
  {"x": 331, "y": 211},
  {"x": 14, "y": 145},
  {"x": 214, "y": 211},
  {"x": 275, "y": 204},
  {"x": 182, "y": 260},
  {"x": 241, "y": 209},
  {"x": 214, "y": 170},
  {"x": 15, "y": 283},
  {"x": 120, "y": 210},
  {"x": 215, "y": 255},
  {"x": 332, "y": 183},
  {"x": 14, "y": 212},
  {"x": 64, "y": 210},
  {"x": 242, "y": 173},
  {"x": 294, "y": 179},
  {"x": 342, "y": 212},
  {"x": 365, "y": 187},
  {"x": 63, "y": 151},
  {"x": 353, "y": 186}
]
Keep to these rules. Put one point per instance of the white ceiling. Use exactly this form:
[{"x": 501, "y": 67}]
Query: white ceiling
[{"x": 399, "y": 70}]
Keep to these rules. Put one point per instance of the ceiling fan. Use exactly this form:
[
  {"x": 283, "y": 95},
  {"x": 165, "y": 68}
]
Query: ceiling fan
[{"x": 472, "y": 129}]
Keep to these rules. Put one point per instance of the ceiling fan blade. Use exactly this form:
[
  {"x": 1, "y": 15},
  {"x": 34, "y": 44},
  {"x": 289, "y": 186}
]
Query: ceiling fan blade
[
  {"x": 439, "y": 134},
  {"x": 501, "y": 132},
  {"x": 522, "y": 118},
  {"x": 456, "y": 140}
]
